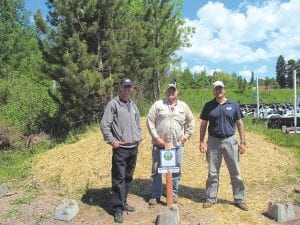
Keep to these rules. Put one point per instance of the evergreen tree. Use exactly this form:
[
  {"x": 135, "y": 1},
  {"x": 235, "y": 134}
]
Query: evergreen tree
[
  {"x": 18, "y": 41},
  {"x": 267, "y": 82},
  {"x": 280, "y": 71},
  {"x": 241, "y": 84},
  {"x": 291, "y": 66},
  {"x": 89, "y": 45},
  {"x": 164, "y": 35},
  {"x": 202, "y": 80},
  {"x": 272, "y": 82},
  {"x": 252, "y": 78},
  {"x": 85, "y": 47},
  {"x": 24, "y": 98},
  {"x": 229, "y": 80},
  {"x": 186, "y": 79}
]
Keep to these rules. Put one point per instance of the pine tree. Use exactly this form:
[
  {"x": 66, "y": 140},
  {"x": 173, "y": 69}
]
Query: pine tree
[
  {"x": 24, "y": 98},
  {"x": 164, "y": 35},
  {"x": 185, "y": 81},
  {"x": 89, "y": 45},
  {"x": 85, "y": 48},
  {"x": 291, "y": 66},
  {"x": 252, "y": 78},
  {"x": 280, "y": 71}
]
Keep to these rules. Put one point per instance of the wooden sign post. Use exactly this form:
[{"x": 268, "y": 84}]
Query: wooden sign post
[{"x": 169, "y": 183}]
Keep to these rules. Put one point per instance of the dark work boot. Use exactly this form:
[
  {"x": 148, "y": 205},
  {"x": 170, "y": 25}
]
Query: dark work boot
[
  {"x": 118, "y": 217},
  {"x": 128, "y": 208}
]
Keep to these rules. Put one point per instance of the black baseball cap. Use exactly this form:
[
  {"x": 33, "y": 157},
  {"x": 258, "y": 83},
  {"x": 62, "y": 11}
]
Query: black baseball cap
[{"x": 126, "y": 81}]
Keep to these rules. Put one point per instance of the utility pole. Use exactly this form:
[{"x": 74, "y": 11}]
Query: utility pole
[
  {"x": 295, "y": 101},
  {"x": 257, "y": 97}
]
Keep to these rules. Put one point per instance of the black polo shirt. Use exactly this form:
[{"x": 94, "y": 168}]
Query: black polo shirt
[{"x": 221, "y": 117}]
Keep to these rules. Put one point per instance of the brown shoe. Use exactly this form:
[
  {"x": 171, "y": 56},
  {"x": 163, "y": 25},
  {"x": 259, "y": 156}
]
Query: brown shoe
[
  {"x": 242, "y": 205},
  {"x": 153, "y": 201},
  {"x": 209, "y": 203}
]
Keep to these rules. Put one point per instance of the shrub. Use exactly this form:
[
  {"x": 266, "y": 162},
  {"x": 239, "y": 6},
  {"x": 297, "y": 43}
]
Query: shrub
[{"x": 25, "y": 103}]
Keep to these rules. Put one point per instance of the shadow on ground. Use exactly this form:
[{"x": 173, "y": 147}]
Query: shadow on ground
[
  {"x": 98, "y": 197},
  {"x": 142, "y": 188}
]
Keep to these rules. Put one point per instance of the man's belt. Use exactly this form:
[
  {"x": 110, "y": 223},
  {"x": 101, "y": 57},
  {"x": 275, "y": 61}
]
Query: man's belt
[
  {"x": 221, "y": 136},
  {"x": 130, "y": 144}
]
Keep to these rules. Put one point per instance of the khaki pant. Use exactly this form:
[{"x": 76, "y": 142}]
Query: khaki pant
[{"x": 218, "y": 148}]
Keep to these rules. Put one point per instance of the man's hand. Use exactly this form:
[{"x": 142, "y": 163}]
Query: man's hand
[
  {"x": 159, "y": 141},
  {"x": 140, "y": 141},
  {"x": 116, "y": 144},
  {"x": 181, "y": 140},
  {"x": 202, "y": 147},
  {"x": 242, "y": 148}
]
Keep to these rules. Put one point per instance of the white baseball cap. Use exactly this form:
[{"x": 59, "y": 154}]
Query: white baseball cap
[
  {"x": 171, "y": 86},
  {"x": 218, "y": 83}
]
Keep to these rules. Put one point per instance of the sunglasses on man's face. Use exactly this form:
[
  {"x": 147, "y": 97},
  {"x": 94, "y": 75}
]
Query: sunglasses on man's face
[{"x": 126, "y": 86}]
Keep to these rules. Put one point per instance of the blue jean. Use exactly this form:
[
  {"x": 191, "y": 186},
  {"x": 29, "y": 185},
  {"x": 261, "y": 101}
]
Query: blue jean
[{"x": 156, "y": 191}]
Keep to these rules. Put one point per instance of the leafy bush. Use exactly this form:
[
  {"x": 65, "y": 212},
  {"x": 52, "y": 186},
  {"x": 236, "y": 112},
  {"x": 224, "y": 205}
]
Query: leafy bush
[{"x": 25, "y": 103}]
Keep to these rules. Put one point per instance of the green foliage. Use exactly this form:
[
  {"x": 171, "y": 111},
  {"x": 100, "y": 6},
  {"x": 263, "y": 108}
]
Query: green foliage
[
  {"x": 32, "y": 190},
  {"x": 17, "y": 164},
  {"x": 89, "y": 45},
  {"x": 274, "y": 135},
  {"x": 252, "y": 78},
  {"x": 24, "y": 98},
  {"x": 11, "y": 213},
  {"x": 289, "y": 141},
  {"x": 297, "y": 199},
  {"x": 164, "y": 34},
  {"x": 196, "y": 98},
  {"x": 26, "y": 103},
  {"x": 280, "y": 71},
  {"x": 19, "y": 50},
  {"x": 242, "y": 84},
  {"x": 14, "y": 165},
  {"x": 84, "y": 52},
  {"x": 291, "y": 66},
  {"x": 186, "y": 79},
  {"x": 144, "y": 106}
]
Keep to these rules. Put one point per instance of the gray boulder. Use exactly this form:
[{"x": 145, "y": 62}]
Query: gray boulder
[{"x": 67, "y": 210}]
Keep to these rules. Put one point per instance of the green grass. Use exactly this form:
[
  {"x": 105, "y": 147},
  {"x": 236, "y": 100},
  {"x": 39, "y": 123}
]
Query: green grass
[
  {"x": 12, "y": 213},
  {"x": 289, "y": 141},
  {"x": 274, "y": 135},
  {"x": 32, "y": 190},
  {"x": 197, "y": 98},
  {"x": 297, "y": 198},
  {"x": 16, "y": 164}
]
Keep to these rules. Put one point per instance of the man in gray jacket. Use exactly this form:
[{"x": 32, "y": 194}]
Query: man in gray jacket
[{"x": 120, "y": 126}]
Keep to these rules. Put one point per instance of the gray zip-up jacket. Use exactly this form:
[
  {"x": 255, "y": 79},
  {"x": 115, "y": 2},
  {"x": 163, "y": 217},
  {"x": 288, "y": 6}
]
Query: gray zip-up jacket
[{"x": 121, "y": 122}]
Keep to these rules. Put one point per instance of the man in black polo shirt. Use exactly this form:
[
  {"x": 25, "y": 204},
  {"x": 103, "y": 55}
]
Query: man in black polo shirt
[{"x": 222, "y": 114}]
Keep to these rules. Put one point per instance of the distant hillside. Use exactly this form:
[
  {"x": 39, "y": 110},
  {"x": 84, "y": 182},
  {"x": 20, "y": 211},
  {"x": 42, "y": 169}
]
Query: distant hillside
[{"x": 196, "y": 98}]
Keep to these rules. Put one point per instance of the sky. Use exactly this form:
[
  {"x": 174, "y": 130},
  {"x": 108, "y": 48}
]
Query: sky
[{"x": 235, "y": 36}]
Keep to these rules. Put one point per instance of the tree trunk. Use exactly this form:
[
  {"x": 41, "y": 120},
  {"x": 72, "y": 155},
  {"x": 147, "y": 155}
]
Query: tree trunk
[{"x": 157, "y": 86}]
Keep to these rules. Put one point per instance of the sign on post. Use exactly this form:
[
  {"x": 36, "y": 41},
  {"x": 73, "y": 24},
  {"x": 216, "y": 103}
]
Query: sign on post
[{"x": 168, "y": 161}]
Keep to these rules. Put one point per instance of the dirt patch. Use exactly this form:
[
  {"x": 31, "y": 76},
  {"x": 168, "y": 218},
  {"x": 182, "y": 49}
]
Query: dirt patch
[{"x": 81, "y": 171}]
